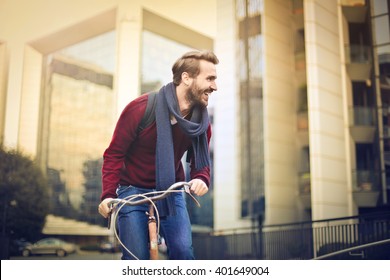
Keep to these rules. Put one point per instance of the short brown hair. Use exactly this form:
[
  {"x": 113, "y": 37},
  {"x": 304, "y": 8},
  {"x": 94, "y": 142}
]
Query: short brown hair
[{"x": 189, "y": 62}]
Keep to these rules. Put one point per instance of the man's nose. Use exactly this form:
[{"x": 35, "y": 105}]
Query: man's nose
[{"x": 214, "y": 86}]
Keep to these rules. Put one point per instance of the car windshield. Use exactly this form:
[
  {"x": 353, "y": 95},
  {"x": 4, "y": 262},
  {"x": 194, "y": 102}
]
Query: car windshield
[{"x": 48, "y": 242}]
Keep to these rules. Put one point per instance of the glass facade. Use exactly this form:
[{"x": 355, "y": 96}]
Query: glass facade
[
  {"x": 381, "y": 32},
  {"x": 249, "y": 41},
  {"x": 158, "y": 56},
  {"x": 77, "y": 124}
]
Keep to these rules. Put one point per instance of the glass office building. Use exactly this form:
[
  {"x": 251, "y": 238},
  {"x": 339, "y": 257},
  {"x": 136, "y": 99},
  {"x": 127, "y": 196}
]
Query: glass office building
[{"x": 300, "y": 118}]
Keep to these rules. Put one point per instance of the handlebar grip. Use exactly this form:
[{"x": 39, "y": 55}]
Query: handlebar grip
[
  {"x": 111, "y": 206},
  {"x": 109, "y": 221}
]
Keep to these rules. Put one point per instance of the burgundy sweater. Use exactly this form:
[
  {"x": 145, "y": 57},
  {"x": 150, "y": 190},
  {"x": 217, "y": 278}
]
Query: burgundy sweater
[{"x": 130, "y": 159}]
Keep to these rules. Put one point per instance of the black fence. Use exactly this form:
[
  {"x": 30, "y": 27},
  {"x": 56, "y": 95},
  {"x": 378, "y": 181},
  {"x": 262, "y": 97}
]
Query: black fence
[{"x": 302, "y": 241}]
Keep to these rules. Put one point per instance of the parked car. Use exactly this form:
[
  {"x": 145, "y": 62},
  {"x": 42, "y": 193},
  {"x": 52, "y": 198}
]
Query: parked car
[{"x": 49, "y": 246}]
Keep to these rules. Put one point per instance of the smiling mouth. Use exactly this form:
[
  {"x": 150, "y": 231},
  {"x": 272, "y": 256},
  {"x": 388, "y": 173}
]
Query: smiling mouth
[{"x": 207, "y": 93}]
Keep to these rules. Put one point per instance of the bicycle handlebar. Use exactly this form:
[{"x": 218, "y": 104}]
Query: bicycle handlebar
[
  {"x": 162, "y": 195},
  {"x": 146, "y": 198}
]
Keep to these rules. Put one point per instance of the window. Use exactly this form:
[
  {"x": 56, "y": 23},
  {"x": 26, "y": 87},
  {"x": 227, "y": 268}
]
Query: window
[
  {"x": 381, "y": 33},
  {"x": 158, "y": 56},
  {"x": 250, "y": 44},
  {"x": 77, "y": 124}
]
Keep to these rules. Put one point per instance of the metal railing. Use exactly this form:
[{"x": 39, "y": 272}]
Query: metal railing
[
  {"x": 305, "y": 240},
  {"x": 362, "y": 116},
  {"x": 350, "y": 250},
  {"x": 358, "y": 54}
]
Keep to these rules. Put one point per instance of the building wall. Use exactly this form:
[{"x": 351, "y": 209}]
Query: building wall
[
  {"x": 3, "y": 78},
  {"x": 279, "y": 114},
  {"x": 226, "y": 131},
  {"x": 329, "y": 188}
]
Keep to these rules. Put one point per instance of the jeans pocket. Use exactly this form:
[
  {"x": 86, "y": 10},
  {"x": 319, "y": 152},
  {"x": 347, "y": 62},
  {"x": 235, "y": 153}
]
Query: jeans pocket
[
  {"x": 125, "y": 192},
  {"x": 122, "y": 191}
]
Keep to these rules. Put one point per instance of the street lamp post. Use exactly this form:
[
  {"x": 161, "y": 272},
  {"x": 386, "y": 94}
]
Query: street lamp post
[{"x": 4, "y": 236}]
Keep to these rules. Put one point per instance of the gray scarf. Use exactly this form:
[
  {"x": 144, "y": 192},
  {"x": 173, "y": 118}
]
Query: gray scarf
[{"x": 196, "y": 129}]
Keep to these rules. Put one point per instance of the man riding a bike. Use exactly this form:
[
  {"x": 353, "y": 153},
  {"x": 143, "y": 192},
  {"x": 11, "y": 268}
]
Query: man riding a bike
[{"x": 139, "y": 161}]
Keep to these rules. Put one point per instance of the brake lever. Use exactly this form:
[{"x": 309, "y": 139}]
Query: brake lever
[
  {"x": 188, "y": 191},
  {"x": 109, "y": 217}
]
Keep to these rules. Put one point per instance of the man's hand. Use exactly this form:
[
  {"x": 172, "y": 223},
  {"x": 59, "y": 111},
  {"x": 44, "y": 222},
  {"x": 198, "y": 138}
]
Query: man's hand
[
  {"x": 104, "y": 209},
  {"x": 198, "y": 187}
]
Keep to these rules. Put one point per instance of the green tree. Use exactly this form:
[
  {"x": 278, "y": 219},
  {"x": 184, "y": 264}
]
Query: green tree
[{"x": 24, "y": 196}]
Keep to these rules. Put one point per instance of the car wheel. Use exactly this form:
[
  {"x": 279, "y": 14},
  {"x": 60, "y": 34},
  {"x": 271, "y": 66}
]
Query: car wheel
[
  {"x": 26, "y": 253},
  {"x": 61, "y": 253}
]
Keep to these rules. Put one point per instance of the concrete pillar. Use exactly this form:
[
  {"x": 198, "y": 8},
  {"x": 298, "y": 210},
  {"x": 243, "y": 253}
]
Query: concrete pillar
[
  {"x": 3, "y": 92},
  {"x": 129, "y": 42},
  {"x": 30, "y": 101},
  {"x": 329, "y": 194},
  {"x": 13, "y": 94}
]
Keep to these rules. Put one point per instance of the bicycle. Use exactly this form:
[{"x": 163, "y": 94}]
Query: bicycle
[{"x": 154, "y": 220}]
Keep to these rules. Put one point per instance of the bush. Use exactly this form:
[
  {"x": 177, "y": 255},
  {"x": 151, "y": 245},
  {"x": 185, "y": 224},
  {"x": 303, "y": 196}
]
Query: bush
[{"x": 24, "y": 195}]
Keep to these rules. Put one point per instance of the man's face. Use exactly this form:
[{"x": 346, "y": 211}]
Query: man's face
[{"x": 203, "y": 85}]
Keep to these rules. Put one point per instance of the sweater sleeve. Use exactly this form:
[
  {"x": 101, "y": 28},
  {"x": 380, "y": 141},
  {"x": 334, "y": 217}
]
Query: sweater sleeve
[
  {"x": 204, "y": 173},
  {"x": 124, "y": 134}
]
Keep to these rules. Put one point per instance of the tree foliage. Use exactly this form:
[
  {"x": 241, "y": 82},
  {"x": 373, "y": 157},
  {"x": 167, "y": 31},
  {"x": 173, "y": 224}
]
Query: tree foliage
[{"x": 24, "y": 195}]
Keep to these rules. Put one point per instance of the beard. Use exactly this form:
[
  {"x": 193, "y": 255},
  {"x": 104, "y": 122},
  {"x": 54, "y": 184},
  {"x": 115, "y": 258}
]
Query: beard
[{"x": 195, "y": 96}]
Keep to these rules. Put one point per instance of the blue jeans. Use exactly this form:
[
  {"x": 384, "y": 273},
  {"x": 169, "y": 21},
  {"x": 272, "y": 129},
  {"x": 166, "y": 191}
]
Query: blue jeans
[{"x": 133, "y": 228}]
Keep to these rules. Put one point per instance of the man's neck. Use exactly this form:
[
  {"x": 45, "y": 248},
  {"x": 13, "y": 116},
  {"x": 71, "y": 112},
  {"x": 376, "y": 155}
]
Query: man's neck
[{"x": 184, "y": 104}]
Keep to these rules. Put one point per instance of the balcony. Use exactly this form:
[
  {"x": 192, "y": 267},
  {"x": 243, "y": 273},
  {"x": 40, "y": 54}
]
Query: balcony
[
  {"x": 365, "y": 188},
  {"x": 387, "y": 158},
  {"x": 384, "y": 82},
  {"x": 386, "y": 132},
  {"x": 354, "y": 10},
  {"x": 362, "y": 126},
  {"x": 305, "y": 189},
  {"x": 358, "y": 62}
]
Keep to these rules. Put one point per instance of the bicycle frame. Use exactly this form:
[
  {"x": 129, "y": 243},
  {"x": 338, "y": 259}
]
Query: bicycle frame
[
  {"x": 153, "y": 234},
  {"x": 153, "y": 221}
]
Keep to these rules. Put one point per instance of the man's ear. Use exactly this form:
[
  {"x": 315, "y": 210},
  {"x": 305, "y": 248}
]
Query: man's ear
[{"x": 185, "y": 78}]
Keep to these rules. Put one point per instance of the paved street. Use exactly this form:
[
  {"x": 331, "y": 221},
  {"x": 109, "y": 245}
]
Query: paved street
[{"x": 81, "y": 255}]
